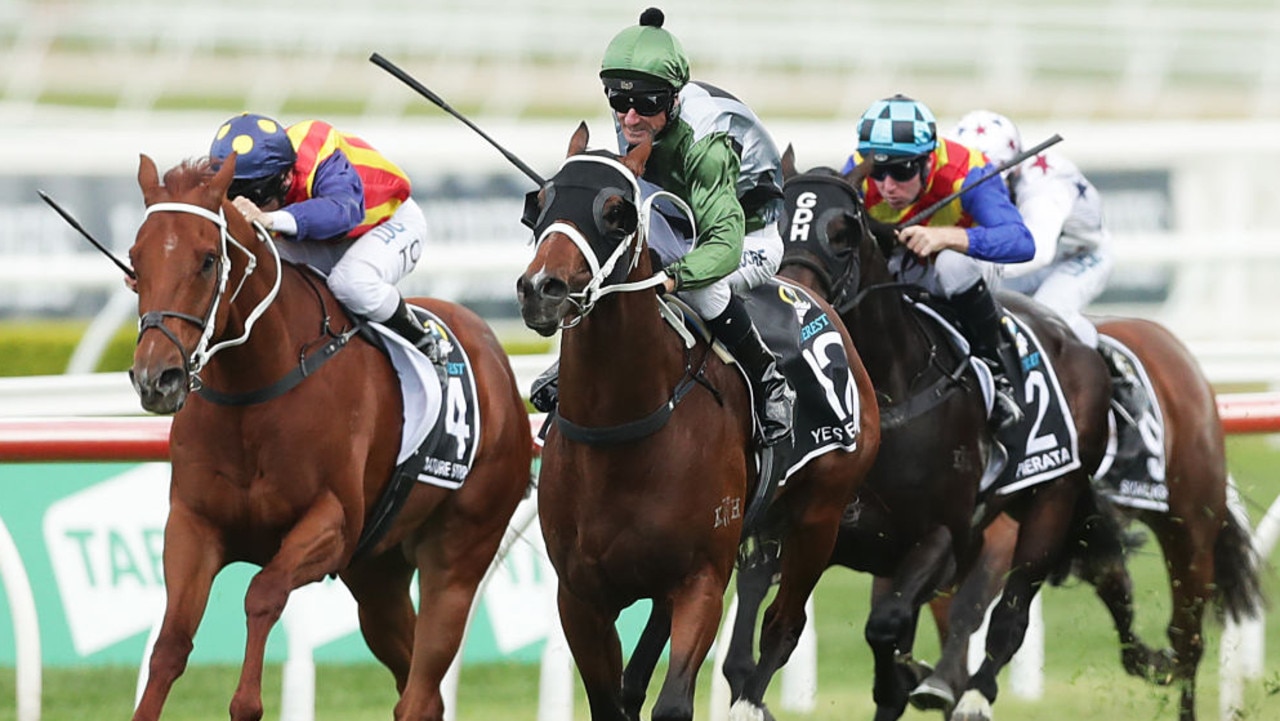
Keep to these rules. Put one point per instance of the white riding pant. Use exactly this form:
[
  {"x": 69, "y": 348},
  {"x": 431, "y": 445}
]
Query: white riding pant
[
  {"x": 363, "y": 271},
  {"x": 1068, "y": 286},
  {"x": 761, "y": 258},
  {"x": 950, "y": 273}
]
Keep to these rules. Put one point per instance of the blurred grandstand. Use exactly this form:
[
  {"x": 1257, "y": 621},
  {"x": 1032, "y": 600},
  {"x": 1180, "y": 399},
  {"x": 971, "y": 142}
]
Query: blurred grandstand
[
  {"x": 1097, "y": 59},
  {"x": 1139, "y": 88}
]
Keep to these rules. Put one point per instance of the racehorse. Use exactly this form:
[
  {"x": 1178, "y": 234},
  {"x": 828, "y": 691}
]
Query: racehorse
[
  {"x": 1206, "y": 547},
  {"x": 915, "y": 520},
  {"x": 287, "y": 466},
  {"x": 637, "y": 503}
]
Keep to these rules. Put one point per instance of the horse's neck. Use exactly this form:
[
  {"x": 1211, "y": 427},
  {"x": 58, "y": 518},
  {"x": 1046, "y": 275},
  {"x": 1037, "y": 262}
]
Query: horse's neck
[
  {"x": 621, "y": 359},
  {"x": 291, "y": 320},
  {"x": 889, "y": 335}
]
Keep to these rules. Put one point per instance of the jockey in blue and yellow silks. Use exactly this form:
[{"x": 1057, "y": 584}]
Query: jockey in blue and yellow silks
[{"x": 345, "y": 205}]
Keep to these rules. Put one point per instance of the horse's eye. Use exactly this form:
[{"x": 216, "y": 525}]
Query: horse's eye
[{"x": 210, "y": 260}]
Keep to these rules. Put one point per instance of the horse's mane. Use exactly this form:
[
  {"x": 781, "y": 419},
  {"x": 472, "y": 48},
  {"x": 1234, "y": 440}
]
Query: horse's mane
[{"x": 189, "y": 174}]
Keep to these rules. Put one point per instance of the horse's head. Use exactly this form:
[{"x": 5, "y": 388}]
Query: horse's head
[
  {"x": 585, "y": 222},
  {"x": 825, "y": 230},
  {"x": 180, "y": 255}
]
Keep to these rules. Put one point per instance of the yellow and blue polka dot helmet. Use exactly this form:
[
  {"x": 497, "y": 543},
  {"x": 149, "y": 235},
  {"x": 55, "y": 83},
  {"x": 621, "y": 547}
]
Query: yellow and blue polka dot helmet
[
  {"x": 262, "y": 146},
  {"x": 896, "y": 129}
]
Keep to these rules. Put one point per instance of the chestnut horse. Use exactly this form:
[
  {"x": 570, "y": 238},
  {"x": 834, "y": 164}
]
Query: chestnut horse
[
  {"x": 638, "y": 503},
  {"x": 1206, "y": 547},
  {"x": 916, "y": 520},
  {"x": 289, "y": 480}
]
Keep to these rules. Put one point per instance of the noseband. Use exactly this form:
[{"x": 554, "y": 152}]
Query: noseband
[{"x": 195, "y": 361}]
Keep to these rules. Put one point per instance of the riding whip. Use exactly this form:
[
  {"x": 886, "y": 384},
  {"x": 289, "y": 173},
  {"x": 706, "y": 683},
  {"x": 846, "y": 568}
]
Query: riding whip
[
  {"x": 924, "y": 215},
  {"x": 76, "y": 224},
  {"x": 422, "y": 90}
]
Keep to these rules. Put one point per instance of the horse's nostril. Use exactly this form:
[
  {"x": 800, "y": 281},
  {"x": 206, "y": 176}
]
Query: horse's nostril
[
  {"x": 172, "y": 379},
  {"x": 554, "y": 289}
]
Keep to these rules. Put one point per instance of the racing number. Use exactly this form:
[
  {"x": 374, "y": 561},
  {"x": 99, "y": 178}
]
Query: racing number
[
  {"x": 455, "y": 423},
  {"x": 1036, "y": 392}
]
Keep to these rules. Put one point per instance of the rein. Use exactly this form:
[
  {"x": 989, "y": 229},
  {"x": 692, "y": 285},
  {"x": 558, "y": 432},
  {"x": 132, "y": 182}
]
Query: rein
[{"x": 197, "y": 359}]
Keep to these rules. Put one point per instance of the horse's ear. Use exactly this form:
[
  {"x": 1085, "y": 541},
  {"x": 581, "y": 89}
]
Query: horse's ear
[
  {"x": 637, "y": 157},
  {"x": 148, "y": 178},
  {"x": 860, "y": 172},
  {"x": 788, "y": 162},
  {"x": 221, "y": 180},
  {"x": 578, "y": 143}
]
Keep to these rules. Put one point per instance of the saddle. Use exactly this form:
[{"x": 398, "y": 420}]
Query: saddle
[{"x": 1132, "y": 472}]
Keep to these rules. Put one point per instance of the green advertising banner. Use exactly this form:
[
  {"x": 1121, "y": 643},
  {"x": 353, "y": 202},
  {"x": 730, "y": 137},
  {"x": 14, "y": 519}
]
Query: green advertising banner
[{"x": 90, "y": 537}]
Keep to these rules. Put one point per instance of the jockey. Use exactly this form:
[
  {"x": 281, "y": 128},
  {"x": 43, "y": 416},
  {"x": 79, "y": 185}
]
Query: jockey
[
  {"x": 911, "y": 170},
  {"x": 711, "y": 150},
  {"x": 1064, "y": 213},
  {"x": 347, "y": 207}
]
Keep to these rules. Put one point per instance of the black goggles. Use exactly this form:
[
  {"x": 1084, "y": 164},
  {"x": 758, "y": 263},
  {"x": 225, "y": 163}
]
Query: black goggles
[
  {"x": 900, "y": 172},
  {"x": 259, "y": 190},
  {"x": 646, "y": 103}
]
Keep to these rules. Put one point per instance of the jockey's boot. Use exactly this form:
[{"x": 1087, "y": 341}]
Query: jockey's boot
[
  {"x": 774, "y": 398},
  {"x": 544, "y": 393},
  {"x": 1127, "y": 391},
  {"x": 980, "y": 321},
  {"x": 407, "y": 325}
]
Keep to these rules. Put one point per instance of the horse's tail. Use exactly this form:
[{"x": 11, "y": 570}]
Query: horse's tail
[{"x": 1236, "y": 578}]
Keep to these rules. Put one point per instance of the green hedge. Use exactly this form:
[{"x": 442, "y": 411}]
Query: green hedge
[
  {"x": 44, "y": 347},
  {"x": 34, "y": 348}
]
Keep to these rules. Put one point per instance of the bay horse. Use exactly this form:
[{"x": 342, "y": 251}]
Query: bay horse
[
  {"x": 637, "y": 503},
  {"x": 289, "y": 480},
  {"x": 916, "y": 521},
  {"x": 1206, "y": 547}
]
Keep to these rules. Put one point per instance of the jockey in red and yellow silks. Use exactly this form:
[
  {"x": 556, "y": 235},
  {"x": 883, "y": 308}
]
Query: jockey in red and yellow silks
[
  {"x": 385, "y": 185},
  {"x": 949, "y": 165}
]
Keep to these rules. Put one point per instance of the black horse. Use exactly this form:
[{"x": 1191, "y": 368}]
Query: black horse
[{"x": 917, "y": 520}]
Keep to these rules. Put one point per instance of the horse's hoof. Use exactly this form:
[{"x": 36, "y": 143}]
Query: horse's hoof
[
  {"x": 973, "y": 706},
  {"x": 933, "y": 694},
  {"x": 744, "y": 710}
]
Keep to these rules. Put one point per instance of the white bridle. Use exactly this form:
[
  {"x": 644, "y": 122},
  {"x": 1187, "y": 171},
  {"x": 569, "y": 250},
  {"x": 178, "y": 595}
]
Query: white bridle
[{"x": 202, "y": 353}]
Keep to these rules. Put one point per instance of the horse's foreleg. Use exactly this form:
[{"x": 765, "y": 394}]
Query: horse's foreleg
[
  {"x": 380, "y": 587},
  {"x": 192, "y": 557},
  {"x": 753, "y": 582},
  {"x": 312, "y": 549},
  {"x": 1041, "y": 535},
  {"x": 695, "y": 612},
  {"x": 597, "y": 652},
  {"x": 639, "y": 670},
  {"x": 891, "y": 624},
  {"x": 962, "y": 614}
]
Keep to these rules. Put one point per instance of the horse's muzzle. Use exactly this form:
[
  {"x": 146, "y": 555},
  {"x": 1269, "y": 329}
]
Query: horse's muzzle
[
  {"x": 542, "y": 303},
  {"x": 160, "y": 392}
]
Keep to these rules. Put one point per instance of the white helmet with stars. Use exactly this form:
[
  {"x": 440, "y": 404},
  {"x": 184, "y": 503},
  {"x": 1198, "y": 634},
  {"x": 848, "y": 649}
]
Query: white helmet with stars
[{"x": 992, "y": 133}]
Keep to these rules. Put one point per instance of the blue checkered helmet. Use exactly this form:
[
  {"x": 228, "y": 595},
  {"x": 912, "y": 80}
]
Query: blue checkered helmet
[
  {"x": 262, "y": 146},
  {"x": 896, "y": 129}
]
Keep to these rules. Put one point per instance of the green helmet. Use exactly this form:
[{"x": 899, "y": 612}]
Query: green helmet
[{"x": 646, "y": 52}]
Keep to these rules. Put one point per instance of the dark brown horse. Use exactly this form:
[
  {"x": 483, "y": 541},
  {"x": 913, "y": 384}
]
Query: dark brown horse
[
  {"x": 915, "y": 520},
  {"x": 288, "y": 481},
  {"x": 646, "y": 473},
  {"x": 1206, "y": 548}
]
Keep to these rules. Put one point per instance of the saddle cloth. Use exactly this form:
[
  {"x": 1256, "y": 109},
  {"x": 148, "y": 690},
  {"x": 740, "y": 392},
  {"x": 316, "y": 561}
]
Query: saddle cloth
[
  {"x": 811, "y": 352},
  {"x": 1132, "y": 472},
  {"x": 1045, "y": 445},
  {"x": 441, "y": 420}
]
